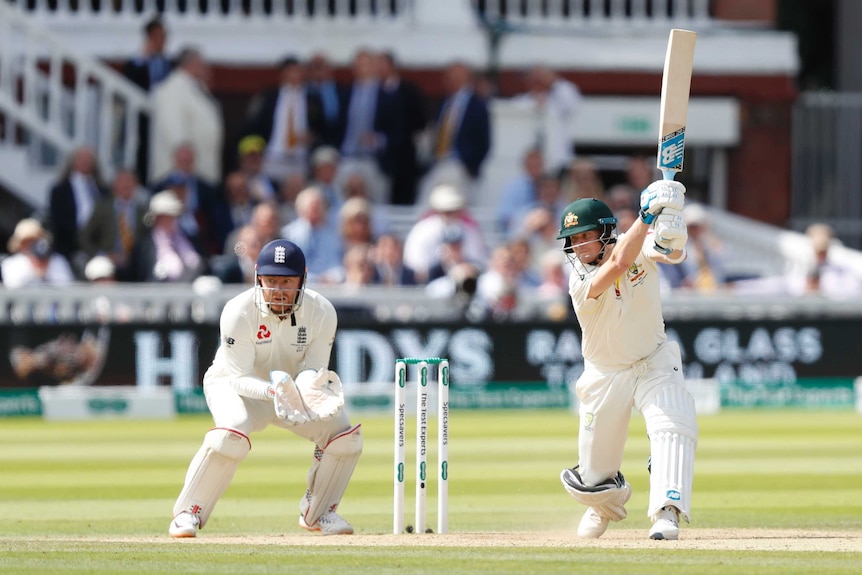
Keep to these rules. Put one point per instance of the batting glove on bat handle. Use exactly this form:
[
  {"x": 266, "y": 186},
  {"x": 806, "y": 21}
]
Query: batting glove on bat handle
[
  {"x": 658, "y": 196},
  {"x": 671, "y": 233}
]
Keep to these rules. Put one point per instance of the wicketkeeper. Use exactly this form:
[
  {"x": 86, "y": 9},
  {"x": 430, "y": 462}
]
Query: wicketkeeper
[
  {"x": 628, "y": 360},
  {"x": 272, "y": 368}
]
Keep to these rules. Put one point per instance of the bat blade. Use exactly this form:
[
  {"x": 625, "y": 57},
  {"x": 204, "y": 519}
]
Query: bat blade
[{"x": 675, "y": 89}]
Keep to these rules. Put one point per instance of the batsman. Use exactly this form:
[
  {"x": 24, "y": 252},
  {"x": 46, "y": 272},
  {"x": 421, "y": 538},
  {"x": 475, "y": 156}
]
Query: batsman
[
  {"x": 628, "y": 360},
  {"x": 271, "y": 368}
]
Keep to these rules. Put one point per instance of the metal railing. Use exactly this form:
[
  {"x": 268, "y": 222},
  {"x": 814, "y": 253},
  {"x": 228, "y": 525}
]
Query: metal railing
[
  {"x": 216, "y": 10},
  {"x": 826, "y": 177},
  {"x": 51, "y": 96},
  {"x": 583, "y": 13}
]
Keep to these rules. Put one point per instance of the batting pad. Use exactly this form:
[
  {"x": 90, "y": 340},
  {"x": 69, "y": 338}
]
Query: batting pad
[
  {"x": 672, "y": 427},
  {"x": 329, "y": 477},
  {"x": 211, "y": 471},
  {"x": 607, "y": 498}
]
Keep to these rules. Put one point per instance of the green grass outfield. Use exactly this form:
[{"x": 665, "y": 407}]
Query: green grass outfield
[{"x": 775, "y": 492}]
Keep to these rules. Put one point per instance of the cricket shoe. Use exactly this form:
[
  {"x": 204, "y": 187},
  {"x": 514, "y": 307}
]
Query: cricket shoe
[
  {"x": 592, "y": 525},
  {"x": 330, "y": 523},
  {"x": 184, "y": 524},
  {"x": 666, "y": 525}
]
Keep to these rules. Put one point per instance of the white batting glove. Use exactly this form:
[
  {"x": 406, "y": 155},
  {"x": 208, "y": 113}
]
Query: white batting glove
[
  {"x": 661, "y": 195},
  {"x": 671, "y": 233},
  {"x": 286, "y": 399}
]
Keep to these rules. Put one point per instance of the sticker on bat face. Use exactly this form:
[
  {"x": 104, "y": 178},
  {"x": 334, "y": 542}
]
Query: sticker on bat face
[{"x": 672, "y": 151}]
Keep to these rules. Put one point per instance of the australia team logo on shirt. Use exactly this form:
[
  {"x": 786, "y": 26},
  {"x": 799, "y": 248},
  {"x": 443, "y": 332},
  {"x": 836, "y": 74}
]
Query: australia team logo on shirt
[
  {"x": 263, "y": 334},
  {"x": 635, "y": 274}
]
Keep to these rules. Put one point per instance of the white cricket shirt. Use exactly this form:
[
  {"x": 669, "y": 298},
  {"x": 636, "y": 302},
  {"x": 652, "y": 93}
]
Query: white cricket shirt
[{"x": 624, "y": 324}]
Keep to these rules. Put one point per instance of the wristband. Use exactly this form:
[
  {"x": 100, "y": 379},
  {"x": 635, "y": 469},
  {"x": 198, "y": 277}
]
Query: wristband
[
  {"x": 647, "y": 217},
  {"x": 662, "y": 250}
]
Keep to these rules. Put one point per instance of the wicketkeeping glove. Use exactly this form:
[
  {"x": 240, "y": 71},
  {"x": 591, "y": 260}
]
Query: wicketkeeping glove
[
  {"x": 661, "y": 195},
  {"x": 287, "y": 399},
  {"x": 321, "y": 392},
  {"x": 671, "y": 232}
]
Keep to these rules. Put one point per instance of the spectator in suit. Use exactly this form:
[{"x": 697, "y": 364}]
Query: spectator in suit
[
  {"x": 33, "y": 260},
  {"x": 407, "y": 103},
  {"x": 165, "y": 253},
  {"x": 369, "y": 128},
  {"x": 71, "y": 203},
  {"x": 185, "y": 111},
  {"x": 116, "y": 224},
  {"x": 290, "y": 119},
  {"x": 147, "y": 70},
  {"x": 321, "y": 82},
  {"x": 314, "y": 234},
  {"x": 205, "y": 213},
  {"x": 462, "y": 136},
  {"x": 151, "y": 66},
  {"x": 388, "y": 260},
  {"x": 262, "y": 187}
]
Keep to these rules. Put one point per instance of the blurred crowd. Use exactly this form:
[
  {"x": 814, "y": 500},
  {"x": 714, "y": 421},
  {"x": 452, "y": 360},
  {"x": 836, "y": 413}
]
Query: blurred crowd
[{"x": 324, "y": 164}]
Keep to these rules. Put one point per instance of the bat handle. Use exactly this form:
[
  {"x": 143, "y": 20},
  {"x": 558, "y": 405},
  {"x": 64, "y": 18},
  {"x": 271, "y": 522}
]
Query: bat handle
[{"x": 668, "y": 174}]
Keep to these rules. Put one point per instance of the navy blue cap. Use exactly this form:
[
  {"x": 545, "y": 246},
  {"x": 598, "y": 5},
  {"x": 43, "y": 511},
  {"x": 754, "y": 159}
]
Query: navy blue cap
[{"x": 281, "y": 258}]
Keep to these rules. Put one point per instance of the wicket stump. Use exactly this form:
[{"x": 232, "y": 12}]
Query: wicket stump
[{"x": 422, "y": 442}]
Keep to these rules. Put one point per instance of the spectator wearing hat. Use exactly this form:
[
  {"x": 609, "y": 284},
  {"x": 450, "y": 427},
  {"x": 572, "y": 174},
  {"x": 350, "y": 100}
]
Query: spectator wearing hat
[
  {"x": 261, "y": 186},
  {"x": 167, "y": 253},
  {"x": 100, "y": 269},
  {"x": 290, "y": 119},
  {"x": 116, "y": 224},
  {"x": 425, "y": 238},
  {"x": 71, "y": 203},
  {"x": 32, "y": 260}
]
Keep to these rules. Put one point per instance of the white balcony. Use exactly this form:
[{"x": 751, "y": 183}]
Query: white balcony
[{"x": 608, "y": 35}]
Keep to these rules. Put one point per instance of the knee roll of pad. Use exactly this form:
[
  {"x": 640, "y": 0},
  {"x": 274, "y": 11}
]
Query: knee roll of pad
[
  {"x": 607, "y": 498},
  {"x": 228, "y": 443}
]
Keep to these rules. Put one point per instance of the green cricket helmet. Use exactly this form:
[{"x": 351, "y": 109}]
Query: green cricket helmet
[{"x": 584, "y": 215}]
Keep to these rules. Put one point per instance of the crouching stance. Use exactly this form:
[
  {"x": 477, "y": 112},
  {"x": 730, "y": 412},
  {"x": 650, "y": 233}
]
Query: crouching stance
[
  {"x": 628, "y": 361},
  {"x": 271, "y": 368}
]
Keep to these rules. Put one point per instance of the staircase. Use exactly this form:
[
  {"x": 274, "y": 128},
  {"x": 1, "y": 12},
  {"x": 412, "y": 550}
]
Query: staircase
[{"x": 53, "y": 100}]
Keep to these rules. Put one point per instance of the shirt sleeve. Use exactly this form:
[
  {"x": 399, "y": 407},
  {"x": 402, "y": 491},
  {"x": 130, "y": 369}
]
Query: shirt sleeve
[{"x": 238, "y": 354}]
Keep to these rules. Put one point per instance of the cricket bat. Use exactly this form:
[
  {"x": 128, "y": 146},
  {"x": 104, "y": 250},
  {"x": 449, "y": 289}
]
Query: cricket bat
[{"x": 675, "y": 88}]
